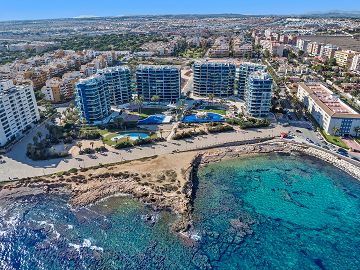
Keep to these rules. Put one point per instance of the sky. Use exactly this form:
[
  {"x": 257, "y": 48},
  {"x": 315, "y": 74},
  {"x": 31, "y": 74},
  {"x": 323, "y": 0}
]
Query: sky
[{"x": 47, "y": 9}]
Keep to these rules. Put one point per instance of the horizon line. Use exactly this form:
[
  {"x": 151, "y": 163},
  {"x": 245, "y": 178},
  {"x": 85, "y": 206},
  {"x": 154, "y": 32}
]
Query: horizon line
[{"x": 81, "y": 17}]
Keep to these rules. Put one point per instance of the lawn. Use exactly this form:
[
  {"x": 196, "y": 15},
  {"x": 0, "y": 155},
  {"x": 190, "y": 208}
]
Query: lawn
[
  {"x": 334, "y": 140},
  {"x": 109, "y": 136},
  {"x": 218, "y": 111},
  {"x": 193, "y": 53}
]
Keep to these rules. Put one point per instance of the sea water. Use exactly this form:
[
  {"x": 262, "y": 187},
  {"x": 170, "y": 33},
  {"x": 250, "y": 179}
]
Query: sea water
[{"x": 262, "y": 212}]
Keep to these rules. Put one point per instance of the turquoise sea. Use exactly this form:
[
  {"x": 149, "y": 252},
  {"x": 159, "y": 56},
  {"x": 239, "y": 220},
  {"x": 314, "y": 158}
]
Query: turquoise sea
[{"x": 264, "y": 212}]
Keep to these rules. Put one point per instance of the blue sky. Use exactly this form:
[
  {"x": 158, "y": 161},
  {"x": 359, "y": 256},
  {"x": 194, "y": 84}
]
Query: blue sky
[{"x": 40, "y": 9}]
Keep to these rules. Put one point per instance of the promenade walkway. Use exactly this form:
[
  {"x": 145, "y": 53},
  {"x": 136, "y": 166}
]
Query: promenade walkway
[{"x": 19, "y": 166}]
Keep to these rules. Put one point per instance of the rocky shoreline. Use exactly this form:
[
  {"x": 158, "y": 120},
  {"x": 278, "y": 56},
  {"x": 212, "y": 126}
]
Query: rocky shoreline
[{"x": 165, "y": 183}]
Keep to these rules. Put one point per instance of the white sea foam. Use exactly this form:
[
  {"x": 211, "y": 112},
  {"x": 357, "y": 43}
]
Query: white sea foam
[{"x": 86, "y": 244}]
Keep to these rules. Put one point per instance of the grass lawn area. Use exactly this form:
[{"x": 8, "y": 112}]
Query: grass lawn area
[
  {"x": 193, "y": 53},
  {"x": 334, "y": 140},
  {"x": 108, "y": 141},
  {"x": 218, "y": 111}
]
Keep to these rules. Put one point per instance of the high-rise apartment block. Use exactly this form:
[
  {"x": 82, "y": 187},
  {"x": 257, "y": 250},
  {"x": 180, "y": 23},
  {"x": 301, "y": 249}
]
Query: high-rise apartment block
[
  {"x": 216, "y": 78},
  {"x": 93, "y": 99},
  {"x": 258, "y": 94},
  {"x": 18, "y": 110},
  {"x": 244, "y": 72},
  {"x": 118, "y": 80},
  {"x": 161, "y": 81}
]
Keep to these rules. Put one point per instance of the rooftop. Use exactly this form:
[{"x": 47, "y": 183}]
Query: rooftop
[{"x": 328, "y": 101}]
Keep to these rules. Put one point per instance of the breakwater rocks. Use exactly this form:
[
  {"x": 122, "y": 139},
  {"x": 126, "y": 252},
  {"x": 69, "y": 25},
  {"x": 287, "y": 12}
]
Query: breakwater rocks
[{"x": 280, "y": 147}]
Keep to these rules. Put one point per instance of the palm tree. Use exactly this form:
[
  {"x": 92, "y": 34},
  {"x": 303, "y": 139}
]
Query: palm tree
[
  {"x": 119, "y": 122},
  {"x": 79, "y": 144},
  {"x": 139, "y": 101},
  {"x": 211, "y": 97},
  {"x": 336, "y": 130},
  {"x": 39, "y": 134},
  {"x": 155, "y": 99}
]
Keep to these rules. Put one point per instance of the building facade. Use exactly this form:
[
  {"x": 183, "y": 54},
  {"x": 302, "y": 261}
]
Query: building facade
[
  {"x": 214, "y": 78},
  {"x": 244, "y": 72},
  {"x": 161, "y": 81},
  {"x": 118, "y": 80},
  {"x": 258, "y": 94},
  {"x": 344, "y": 58},
  {"x": 18, "y": 110},
  {"x": 355, "y": 65},
  {"x": 333, "y": 115},
  {"x": 93, "y": 99}
]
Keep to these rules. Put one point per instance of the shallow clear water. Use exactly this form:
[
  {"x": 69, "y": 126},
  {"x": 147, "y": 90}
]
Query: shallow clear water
[{"x": 264, "y": 212}]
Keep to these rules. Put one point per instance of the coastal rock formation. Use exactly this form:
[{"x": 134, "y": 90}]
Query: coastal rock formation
[{"x": 164, "y": 182}]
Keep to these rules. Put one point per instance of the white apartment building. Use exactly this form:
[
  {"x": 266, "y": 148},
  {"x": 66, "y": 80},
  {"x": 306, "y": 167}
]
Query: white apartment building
[
  {"x": 18, "y": 110},
  {"x": 355, "y": 65},
  {"x": 333, "y": 115}
]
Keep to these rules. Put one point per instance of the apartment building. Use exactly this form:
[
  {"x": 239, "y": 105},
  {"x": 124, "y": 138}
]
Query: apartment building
[
  {"x": 333, "y": 115},
  {"x": 217, "y": 78},
  {"x": 18, "y": 110},
  {"x": 344, "y": 58},
  {"x": 244, "y": 72},
  {"x": 93, "y": 99},
  {"x": 161, "y": 81},
  {"x": 258, "y": 94},
  {"x": 220, "y": 48},
  {"x": 118, "y": 80},
  {"x": 52, "y": 90},
  {"x": 355, "y": 65},
  {"x": 328, "y": 51},
  {"x": 302, "y": 44},
  {"x": 241, "y": 48}
]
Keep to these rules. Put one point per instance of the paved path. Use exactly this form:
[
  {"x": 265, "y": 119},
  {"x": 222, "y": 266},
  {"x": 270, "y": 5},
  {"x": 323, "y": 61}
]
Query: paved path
[{"x": 19, "y": 166}]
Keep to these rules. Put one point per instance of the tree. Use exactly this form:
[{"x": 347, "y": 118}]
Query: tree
[
  {"x": 119, "y": 122},
  {"x": 39, "y": 134},
  {"x": 79, "y": 144},
  {"x": 336, "y": 130},
  {"x": 155, "y": 99},
  {"x": 139, "y": 101},
  {"x": 211, "y": 97}
]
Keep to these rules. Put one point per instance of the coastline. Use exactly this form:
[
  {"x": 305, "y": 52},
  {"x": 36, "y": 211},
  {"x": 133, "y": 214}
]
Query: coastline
[{"x": 167, "y": 182}]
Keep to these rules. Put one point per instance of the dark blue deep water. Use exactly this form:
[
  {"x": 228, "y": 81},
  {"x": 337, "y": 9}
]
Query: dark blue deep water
[{"x": 264, "y": 212}]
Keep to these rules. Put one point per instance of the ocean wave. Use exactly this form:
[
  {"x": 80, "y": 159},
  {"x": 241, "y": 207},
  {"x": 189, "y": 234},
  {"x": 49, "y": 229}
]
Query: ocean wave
[{"x": 86, "y": 244}]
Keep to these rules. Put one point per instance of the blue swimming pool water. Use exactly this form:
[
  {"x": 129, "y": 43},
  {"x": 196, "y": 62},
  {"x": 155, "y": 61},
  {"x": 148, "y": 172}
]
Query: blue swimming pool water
[
  {"x": 153, "y": 120},
  {"x": 211, "y": 117},
  {"x": 132, "y": 136}
]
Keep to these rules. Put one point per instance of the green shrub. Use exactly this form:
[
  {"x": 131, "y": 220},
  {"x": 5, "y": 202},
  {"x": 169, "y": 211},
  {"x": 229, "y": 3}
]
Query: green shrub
[
  {"x": 73, "y": 170},
  {"x": 124, "y": 144}
]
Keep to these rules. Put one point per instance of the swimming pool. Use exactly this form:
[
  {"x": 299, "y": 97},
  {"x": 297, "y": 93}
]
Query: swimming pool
[
  {"x": 204, "y": 118},
  {"x": 155, "y": 120},
  {"x": 132, "y": 136}
]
